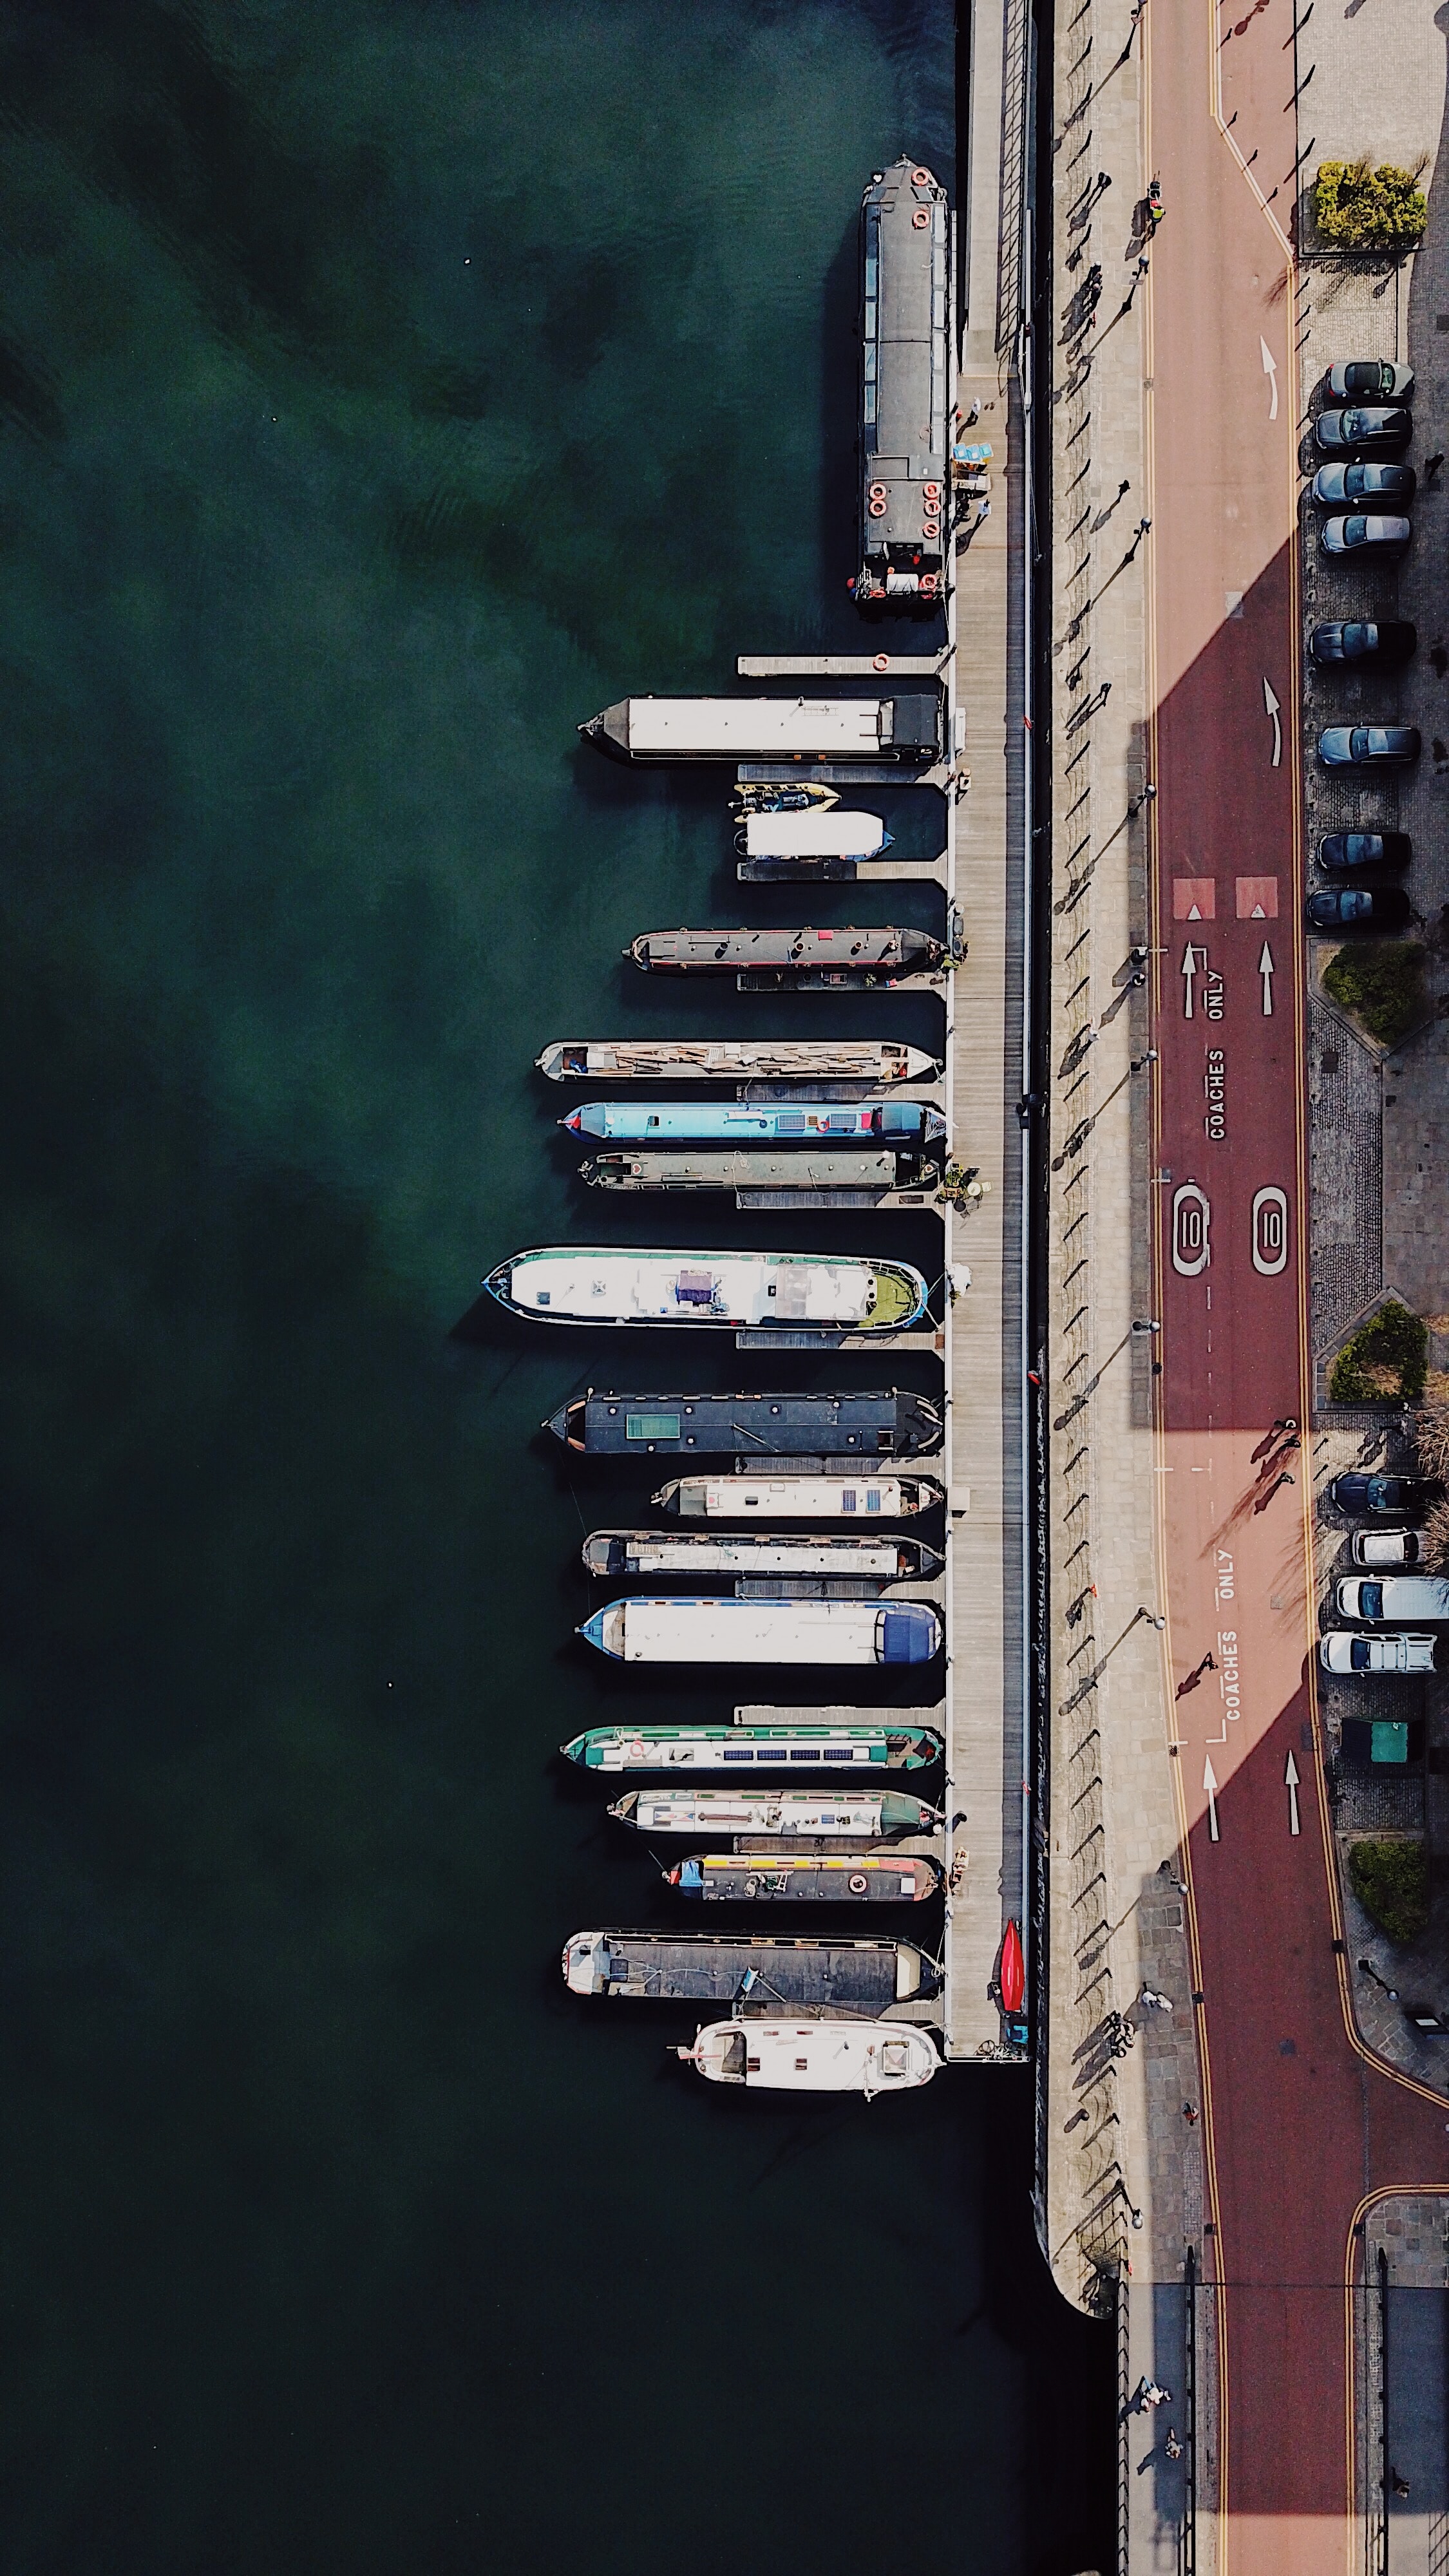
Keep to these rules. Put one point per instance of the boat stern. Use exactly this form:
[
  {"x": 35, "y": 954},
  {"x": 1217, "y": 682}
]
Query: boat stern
[
  {"x": 606, "y": 1630},
  {"x": 899, "y": 1298},
  {"x": 586, "y": 1963},
  {"x": 609, "y": 731}
]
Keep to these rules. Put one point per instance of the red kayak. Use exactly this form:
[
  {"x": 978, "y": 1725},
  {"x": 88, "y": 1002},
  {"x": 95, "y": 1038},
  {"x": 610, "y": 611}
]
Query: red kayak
[{"x": 1011, "y": 1975}]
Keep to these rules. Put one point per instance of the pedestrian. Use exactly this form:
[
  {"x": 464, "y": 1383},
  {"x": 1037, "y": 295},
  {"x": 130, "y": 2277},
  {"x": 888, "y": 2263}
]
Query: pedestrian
[
  {"x": 1172, "y": 2446},
  {"x": 1399, "y": 2482},
  {"x": 1189, "y": 2113},
  {"x": 1153, "y": 2397},
  {"x": 1288, "y": 1422},
  {"x": 1123, "y": 488},
  {"x": 1154, "y": 2001},
  {"x": 1433, "y": 463}
]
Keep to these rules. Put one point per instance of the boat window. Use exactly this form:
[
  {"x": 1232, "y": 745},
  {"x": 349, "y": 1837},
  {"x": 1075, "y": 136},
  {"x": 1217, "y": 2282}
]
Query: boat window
[
  {"x": 872, "y": 1498},
  {"x": 651, "y": 1426},
  {"x": 838, "y": 1753},
  {"x": 893, "y": 2057},
  {"x": 804, "y": 1753},
  {"x": 740, "y": 1754},
  {"x": 847, "y": 1499},
  {"x": 732, "y": 2057}
]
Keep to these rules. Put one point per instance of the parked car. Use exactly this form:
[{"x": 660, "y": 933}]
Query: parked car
[
  {"x": 1344, "y": 1652},
  {"x": 1363, "y": 1497},
  {"x": 1375, "y": 1597},
  {"x": 1379, "y": 428},
  {"x": 1370, "y": 380},
  {"x": 1363, "y": 535},
  {"x": 1367, "y": 746},
  {"x": 1363, "y": 640},
  {"x": 1354, "y": 907},
  {"x": 1342, "y": 483},
  {"x": 1340, "y": 852},
  {"x": 1386, "y": 1547}
]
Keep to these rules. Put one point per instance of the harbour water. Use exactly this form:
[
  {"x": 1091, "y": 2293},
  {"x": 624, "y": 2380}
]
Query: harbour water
[{"x": 385, "y": 388}]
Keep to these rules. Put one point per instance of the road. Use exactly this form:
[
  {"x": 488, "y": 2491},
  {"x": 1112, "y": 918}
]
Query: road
[{"x": 1302, "y": 2129}]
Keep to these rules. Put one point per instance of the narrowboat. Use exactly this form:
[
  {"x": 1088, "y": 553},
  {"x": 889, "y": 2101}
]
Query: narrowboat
[
  {"x": 752, "y": 1972},
  {"x": 805, "y": 1878},
  {"x": 868, "y": 2057},
  {"x": 666, "y": 1630},
  {"x": 628, "y": 1554},
  {"x": 885, "y": 954},
  {"x": 903, "y": 732},
  {"x": 806, "y": 1498},
  {"x": 866, "y": 1177},
  {"x": 780, "y": 1746},
  {"x": 889, "y": 1422},
  {"x": 736, "y": 1060},
  {"x": 764, "y": 1122},
  {"x": 905, "y": 489},
  {"x": 581, "y": 1283},
  {"x": 867, "y": 1815}
]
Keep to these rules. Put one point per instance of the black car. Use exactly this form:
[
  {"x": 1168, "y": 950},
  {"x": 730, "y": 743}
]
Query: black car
[
  {"x": 1343, "y": 853},
  {"x": 1358, "y": 908},
  {"x": 1361, "y": 1497},
  {"x": 1377, "y": 428},
  {"x": 1363, "y": 640}
]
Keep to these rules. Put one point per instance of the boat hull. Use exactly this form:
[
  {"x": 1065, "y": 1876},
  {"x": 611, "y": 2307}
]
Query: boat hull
[
  {"x": 858, "y": 1978},
  {"x": 833, "y": 1123},
  {"x": 806, "y": 1498},
  {"x": 600, "y": 1285},
  {"x": 664, "y": 1630},
  {"x": 644, "y": 1168},
  {"x": 769, "y": 1748},
  {"x": 867, "y": 1815},
  {"x": 805, "y": 1878},
  {"x": 736, "y": 1060},
  {"x": 886, "y": 954},
  {"x": 646, "y": 1555},
  {"x": 822, "y": 2056}
]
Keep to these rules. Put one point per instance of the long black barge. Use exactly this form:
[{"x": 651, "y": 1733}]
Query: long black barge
[
  {"x": 801, "y": 1429},
  {"x": 759, "y": 1975}
]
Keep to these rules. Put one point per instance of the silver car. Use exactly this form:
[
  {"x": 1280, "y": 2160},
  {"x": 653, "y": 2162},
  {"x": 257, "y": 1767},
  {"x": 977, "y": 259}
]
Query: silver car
[
  {"x": 1373, "y": 1547},
  {"x": 1344, "y": 1651},
  {"x": 1360, "y": 535},
  {"x": 1370, "y": 380},
  {"x": 1367, "y": 746},
  {"x": 1391, "y": 1596}
]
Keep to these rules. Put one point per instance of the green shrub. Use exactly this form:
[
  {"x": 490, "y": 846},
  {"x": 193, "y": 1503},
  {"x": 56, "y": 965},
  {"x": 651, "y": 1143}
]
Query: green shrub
[
  {"x": 1382, "y": 984},
  {"x": 1391, "y": 1882},
  {"x": 1388, "y": 1356},
  {"x": 1364, "y": 209}
]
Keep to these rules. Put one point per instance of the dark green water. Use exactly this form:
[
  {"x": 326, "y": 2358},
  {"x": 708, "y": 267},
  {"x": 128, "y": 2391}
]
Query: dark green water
[{"x": 384, "y": 388}]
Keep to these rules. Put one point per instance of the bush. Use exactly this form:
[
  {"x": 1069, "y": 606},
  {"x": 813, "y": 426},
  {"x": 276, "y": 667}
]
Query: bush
[
  {"x": 1431, "y": 1438},
  {"x": 1391, "y": 1882},
  {"x": 1382, "y": 984},
  {"x": 1387, "y": 1357},
  {"x": 1364, "y": 209},
  {"x": 1436, "y": 1539}
]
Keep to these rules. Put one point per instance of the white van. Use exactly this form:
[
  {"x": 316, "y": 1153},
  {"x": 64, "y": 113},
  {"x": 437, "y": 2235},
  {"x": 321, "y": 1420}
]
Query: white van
[{"x": 1398, "y": 1597}]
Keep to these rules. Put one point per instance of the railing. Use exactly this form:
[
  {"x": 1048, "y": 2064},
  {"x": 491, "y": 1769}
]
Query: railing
[{"x": 1015, "y": 131}]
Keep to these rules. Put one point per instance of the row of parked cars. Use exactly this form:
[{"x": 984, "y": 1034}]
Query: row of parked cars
[
  {"x": 1363, "y": 433},
  {"x": 1385, "y": 1549}
]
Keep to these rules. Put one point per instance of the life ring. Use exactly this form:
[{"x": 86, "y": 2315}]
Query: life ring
[
  {"x": 879, "y": 492},
  {"x": 930, "y": 527},
  {"x": 882, "y": 662},
  {"x": 928, "y": 585},
  {"x": 922, "y": 179},
  {"x": 932, "y": 491},
  {"x": 857, "y": 1882},
  {"x": 877, "y": 509},
  {"x": 919, "y": 220}
]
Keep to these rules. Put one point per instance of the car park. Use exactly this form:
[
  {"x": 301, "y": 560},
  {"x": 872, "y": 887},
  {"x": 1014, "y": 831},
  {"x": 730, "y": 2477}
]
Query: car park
[
  {"x": 1370, "y": 380},
  {"x": 1344, "y": 1651},
  {"x": 1340, "y": 853},
  {"x": 1365, "y": 534},
  {"x": 1373, "y": 1547},
  {"x": 1378, "y": 427},
  {"x": 1362, "y": 640},
  {"x": 1354, "y": 907},
  {"x": 1367, "y": 746},
  {"x": 1342, "y": 483},
  {"x": 1360, "y": 1496},
  {"x": 1392, "y": 1598}
]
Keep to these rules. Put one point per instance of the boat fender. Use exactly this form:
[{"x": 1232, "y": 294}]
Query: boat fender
[
  {"x": 928, "y": 585},
  {"x": 878, "y": 492},
  {"x": 857, "y": 1882},
  {"x": 922, "y": 179},
  {"x": 930, "y": 527},
  {"x": 932, "y": 491},
  {"x": 877, "y": 509},
  {"x": 919, "y": 220},
  {"x": 882, "y": 662}
]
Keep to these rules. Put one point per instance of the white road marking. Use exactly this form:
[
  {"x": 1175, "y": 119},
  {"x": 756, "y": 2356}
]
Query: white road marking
[
  {"x": 1210, "y": 1783},
  {"x": 1271, "y": 703},
  {"x": 1290, "y": 1776},
  {"x": 1189, "y": 970},
  {"x": 1266, "y": 970},
  {"x": 1270, "y": 370}
]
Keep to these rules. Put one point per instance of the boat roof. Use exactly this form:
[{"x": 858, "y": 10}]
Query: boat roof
[
  {"x": 574, "y": 1280},
  {"x": 732, "y": 1631},
  {"x": 725, "y": 1059},
  {"x": 779, "y": 1423},
  {"x": 749, "y": 725}
]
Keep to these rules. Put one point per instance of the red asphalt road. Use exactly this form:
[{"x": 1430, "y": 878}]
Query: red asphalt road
[{"x": 1302, "y": 2128}]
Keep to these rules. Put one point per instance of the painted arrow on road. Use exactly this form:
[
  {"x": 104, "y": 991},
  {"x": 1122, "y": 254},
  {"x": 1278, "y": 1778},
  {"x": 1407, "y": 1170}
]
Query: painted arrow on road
[
  {"x": 1290, "y": 1776},
  {"x": 1265, "y": 969},
  {"x": 1189, "y": 970},
  {"x": 1270, "y": 370},
  {"x": 1210, "y": 1783},
  {"x": 1271, "y": 703}
]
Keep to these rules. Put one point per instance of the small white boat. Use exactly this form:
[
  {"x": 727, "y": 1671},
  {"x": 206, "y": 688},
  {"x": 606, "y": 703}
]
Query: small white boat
[
  {"x": 809, "y": 1291},
  {"x": 836, "y": 835},
  {"x": 866, "y": 2057},
  {"x": 659, "y": 1630},
  {"x": 799, "y": 1498},
  {"x": 736, "y": 1060},
  {"x": 867, "y": 1815}
]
